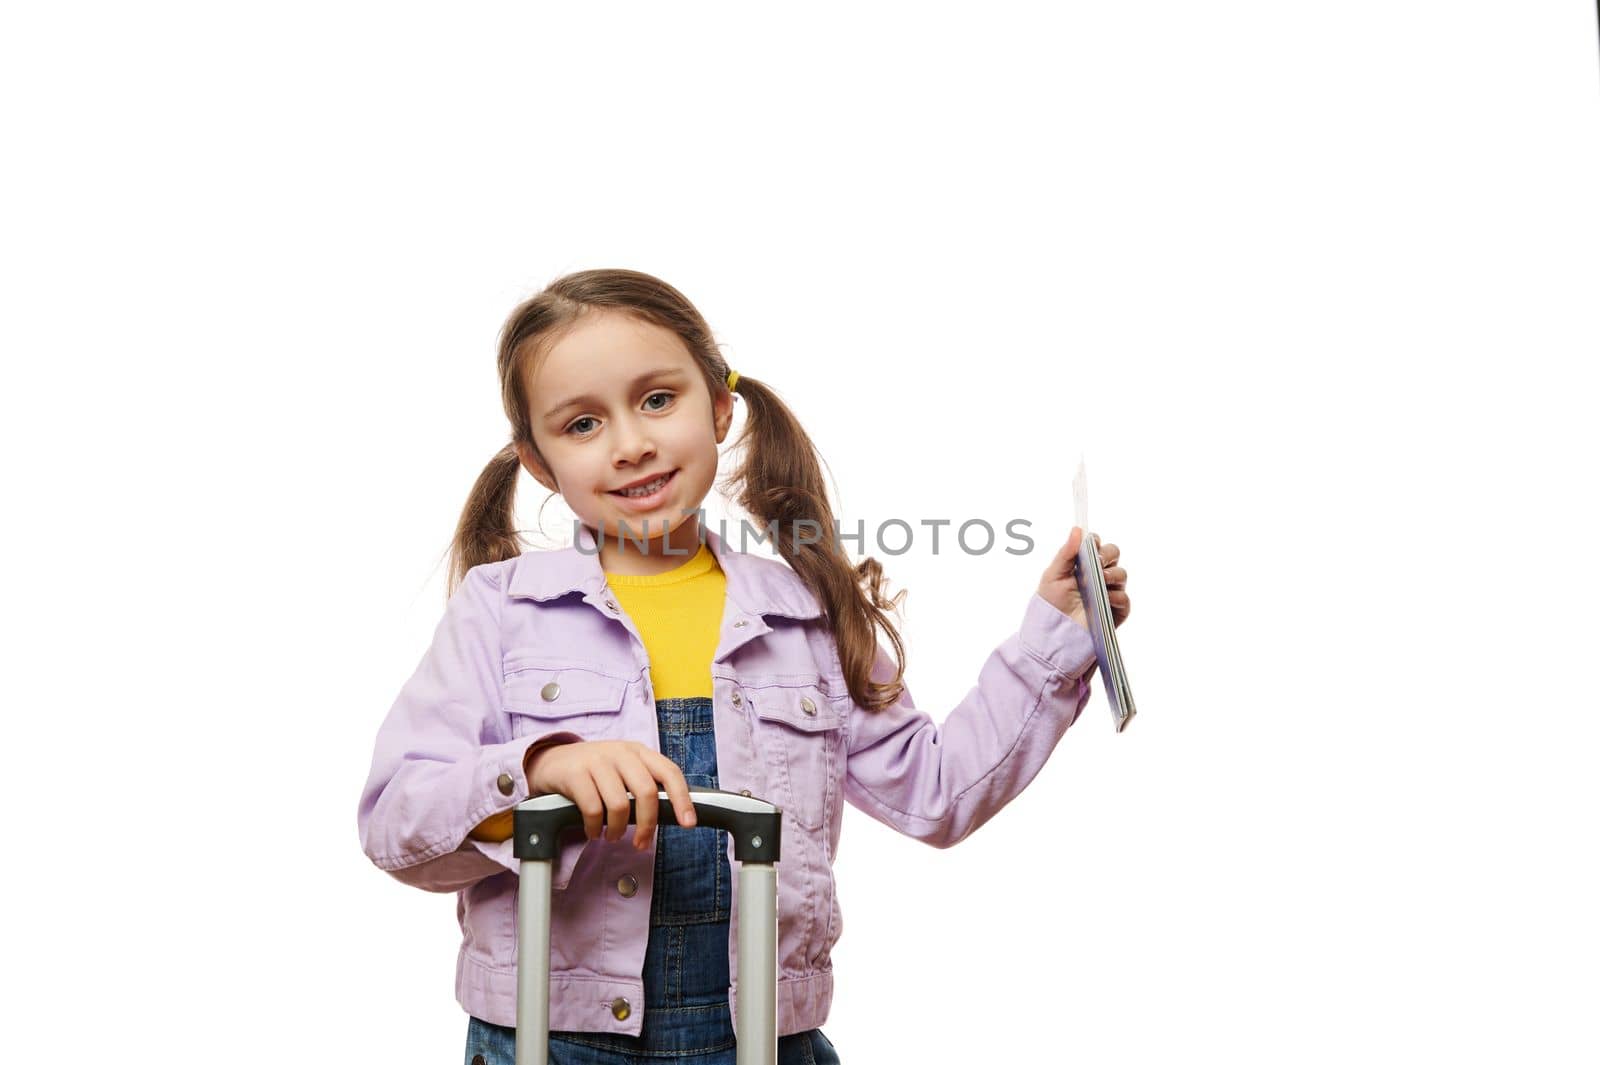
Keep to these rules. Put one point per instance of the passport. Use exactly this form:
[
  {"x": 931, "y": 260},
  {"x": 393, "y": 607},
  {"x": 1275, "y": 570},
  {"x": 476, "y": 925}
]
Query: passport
[{"x": 1097, "y": 605}]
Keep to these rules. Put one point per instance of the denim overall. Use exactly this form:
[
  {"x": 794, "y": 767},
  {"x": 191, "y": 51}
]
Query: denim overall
[{"x": 686, "y": 962}]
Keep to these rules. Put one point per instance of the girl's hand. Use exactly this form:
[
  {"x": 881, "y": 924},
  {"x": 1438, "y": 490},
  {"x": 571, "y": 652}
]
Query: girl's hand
[
  {"x": 598, "y": 774},
  {"x": 1059, "y": 585}
]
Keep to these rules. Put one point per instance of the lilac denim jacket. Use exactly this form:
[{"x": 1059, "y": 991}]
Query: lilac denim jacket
[{"x": 535, "y": 647}]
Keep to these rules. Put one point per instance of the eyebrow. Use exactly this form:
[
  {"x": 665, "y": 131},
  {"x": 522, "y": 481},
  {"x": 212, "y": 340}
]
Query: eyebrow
[{"x": 638, "y": 383}]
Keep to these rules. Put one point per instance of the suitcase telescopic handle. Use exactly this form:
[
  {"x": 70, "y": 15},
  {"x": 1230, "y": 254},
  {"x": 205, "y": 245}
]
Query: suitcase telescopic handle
[{"x": 755, "y": 825}]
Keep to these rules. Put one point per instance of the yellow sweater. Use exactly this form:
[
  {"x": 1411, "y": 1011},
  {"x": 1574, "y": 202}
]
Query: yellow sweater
[{"x": 679, "y": 616}]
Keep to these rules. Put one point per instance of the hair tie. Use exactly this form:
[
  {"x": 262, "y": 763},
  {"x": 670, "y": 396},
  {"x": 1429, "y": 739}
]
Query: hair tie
[{"x": 733, "y": 380}]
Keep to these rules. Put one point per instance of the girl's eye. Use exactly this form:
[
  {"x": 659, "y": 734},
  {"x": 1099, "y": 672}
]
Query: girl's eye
[{"x": 573, "y": 425}]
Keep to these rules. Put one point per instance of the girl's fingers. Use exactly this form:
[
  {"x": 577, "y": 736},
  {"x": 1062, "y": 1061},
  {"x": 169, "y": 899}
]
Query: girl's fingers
[
  {"x": 609, "y": 781},
  {"x": 1116, "y": 577},
  {"x": 1066, "y": 559},
  {"x": 590, "y": 804},
  {"x": 675, "y": 785},
  {"x": 646, "y": 803}
]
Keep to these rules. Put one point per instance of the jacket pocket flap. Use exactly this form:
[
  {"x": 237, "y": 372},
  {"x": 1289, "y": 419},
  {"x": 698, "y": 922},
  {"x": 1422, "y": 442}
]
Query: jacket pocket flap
[
  {"x": 562, "y": 692},
  {"x": 799, "y": 706}
]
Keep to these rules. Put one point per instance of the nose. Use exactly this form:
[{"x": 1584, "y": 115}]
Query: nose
[{"x": 633, "y": 444}]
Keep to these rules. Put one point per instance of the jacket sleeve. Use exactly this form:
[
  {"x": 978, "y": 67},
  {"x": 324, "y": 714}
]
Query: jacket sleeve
[
  {"x": 939, "y": 784},
  {"x": 442, "y": 756}
]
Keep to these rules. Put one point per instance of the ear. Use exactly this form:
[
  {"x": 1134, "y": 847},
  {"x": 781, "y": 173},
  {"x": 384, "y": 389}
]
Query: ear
[
  {"x": 722, "y": 414},
  {"x": 536, "y": 467}
]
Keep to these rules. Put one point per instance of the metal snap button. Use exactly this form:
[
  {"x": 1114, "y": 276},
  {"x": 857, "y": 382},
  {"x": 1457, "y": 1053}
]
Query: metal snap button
[
  {"x": 740, "y": 624},
  {"x": 738, "y": 700},
  {"x": 620, "y": 1009},
  {"x": 745, "y": 792},
  {"x": 611, "y": 605},
  {"x": 505, "y": 784},
  {"x": 549, "y": 692},
  {"x": 808, "y": 706},
  {"x": 627, "y": 886}
]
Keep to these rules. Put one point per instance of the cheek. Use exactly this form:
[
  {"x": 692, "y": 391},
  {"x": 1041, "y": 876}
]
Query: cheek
[
  {"x": 577, "y": 481},
  {"x": 699, "y": 463},
  {"x": 694, "y": 441}
]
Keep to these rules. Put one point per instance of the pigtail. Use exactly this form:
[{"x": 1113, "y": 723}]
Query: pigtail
[
  {"x": 487, "y": 528},
  {"x": 780, "y": 482},
  {"x": 486, "y": 531}
]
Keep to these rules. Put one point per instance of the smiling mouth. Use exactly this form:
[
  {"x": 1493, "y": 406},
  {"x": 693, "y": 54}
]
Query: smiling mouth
[{"x": 647, "y": 490}]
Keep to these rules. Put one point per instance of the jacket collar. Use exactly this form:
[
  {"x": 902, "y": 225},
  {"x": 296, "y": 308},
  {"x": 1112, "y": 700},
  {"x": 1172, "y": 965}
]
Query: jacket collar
[{"x": 758, "y": 585}]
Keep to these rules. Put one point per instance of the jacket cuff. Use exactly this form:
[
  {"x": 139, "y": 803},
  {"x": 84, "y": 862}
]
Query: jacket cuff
[
  {"x": 573, "y": 844},
  {"x": 515, "y": 753},
  {"x": 1056, "y": 639}
]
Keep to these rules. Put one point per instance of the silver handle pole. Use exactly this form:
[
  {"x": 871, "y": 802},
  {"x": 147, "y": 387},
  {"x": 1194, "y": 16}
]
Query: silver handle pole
[
  {"x": 756, "y": 828},
  {"x": 756, "y": 1027},
  {"x": 533, "y": 962}
]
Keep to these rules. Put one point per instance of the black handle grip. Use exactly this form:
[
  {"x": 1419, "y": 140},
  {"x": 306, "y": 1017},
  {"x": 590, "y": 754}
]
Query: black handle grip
[{"x": 755, "y": 824}]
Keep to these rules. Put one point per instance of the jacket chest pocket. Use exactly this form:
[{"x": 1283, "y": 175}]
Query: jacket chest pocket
[
  {"x": 800, "y": 731},
  {"x": 541, "y": 698}
]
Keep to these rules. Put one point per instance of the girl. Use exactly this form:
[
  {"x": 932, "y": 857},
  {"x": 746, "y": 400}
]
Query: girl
[{"x": 652, "y": 653}]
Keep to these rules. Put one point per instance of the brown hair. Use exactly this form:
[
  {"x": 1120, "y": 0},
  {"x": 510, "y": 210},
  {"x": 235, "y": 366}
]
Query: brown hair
[{"x": 779, "y": 479}]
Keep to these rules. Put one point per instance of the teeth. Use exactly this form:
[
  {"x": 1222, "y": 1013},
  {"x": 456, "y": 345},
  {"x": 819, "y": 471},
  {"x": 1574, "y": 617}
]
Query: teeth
[{"x": 647, "y": 489}]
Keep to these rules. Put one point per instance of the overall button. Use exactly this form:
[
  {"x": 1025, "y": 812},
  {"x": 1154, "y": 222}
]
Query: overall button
[
  {"x": 477, "y": 1059},
  {"x": 808, "y": 706},
  {"x": 549, "y": 692},
  {"x": 627, "y": 886},
  {"x": 619, "y": 1009},
  {"x": 505, "y": 784}
]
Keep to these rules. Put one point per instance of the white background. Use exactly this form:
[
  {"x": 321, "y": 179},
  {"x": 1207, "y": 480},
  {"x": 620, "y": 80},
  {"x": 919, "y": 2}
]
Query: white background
[{"x": 1313, "y": 287}]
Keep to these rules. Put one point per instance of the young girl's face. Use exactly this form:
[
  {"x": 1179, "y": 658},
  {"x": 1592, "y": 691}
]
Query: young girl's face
[{"x": 618, "y": 401}]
